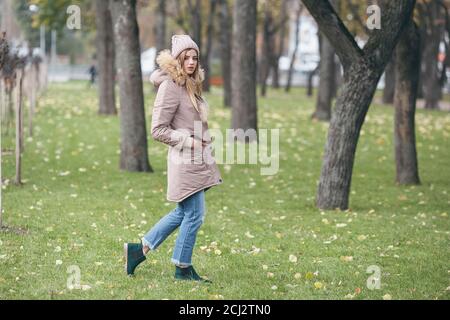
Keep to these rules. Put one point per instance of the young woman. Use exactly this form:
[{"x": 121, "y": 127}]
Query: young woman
[{"x": 179, "y": 120}]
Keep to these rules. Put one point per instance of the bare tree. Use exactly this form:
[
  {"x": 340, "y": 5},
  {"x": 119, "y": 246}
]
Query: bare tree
[
  {"x": 270, "y": 54},
  {"x": 19, "y": 127},
  {"x": 433, "y": 27},
  {"x": 160, "y": 26},
  {"x": 362, "y": 71},
  {"x": 268, "y": 45},
  {"x": 225, "y": 50},
  {"x": 3, "y": 49},
  {"x": 283, "y": 19},
  {"x": 407, "y": 80},
  {"x": 244, "y": 104},
  {"x": 105, "y": 58},
  {"x": 294, "y": 53},
  {"x": 327, "y": 79},
  {"x": 389, "y": 82},
  {"x": 133, "y": 144},
  {"x": 207, "y": 53}
]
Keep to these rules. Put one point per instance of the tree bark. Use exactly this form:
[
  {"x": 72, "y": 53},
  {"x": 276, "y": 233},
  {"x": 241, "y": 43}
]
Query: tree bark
[
  {"x": 294, "y": 53},
  {"x": 160, "y": 31},
  {"x": 362, "y": 71},
  {"x": 196, "y": 22},
  {"x": 207, "y": 53},
  {"x": 244, "y": 104},
  {"x": 133, "y": 144},
  {"x": 4, "y": 49},
  {"x": 267, "y": 49},
  {"x": 408, "y": 71},
  {"x": 327, "y": 82},
  {"x": 19, "y": 127},
  {"x": 434, "y": 28},
  {"x": 160, "y": 27},
  {"x": 338, "y": 78},
  {"x": 225, "y": 50},
  {"x": 105, "y": 58},
  {"x": 327, "y": 79},
  {"x": 280, "y": 49},
  {"x": 389, "y": 82},
  {"x": 310, "y": 86}
]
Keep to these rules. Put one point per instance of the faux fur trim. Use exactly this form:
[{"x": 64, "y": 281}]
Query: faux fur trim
[{"x": 173, "y": 69}]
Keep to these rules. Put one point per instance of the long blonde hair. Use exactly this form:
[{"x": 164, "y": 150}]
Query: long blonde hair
[{"x": 193, "y": 84}]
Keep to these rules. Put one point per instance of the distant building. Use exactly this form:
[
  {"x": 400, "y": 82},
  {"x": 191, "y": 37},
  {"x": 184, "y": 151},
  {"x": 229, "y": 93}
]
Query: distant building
[
  {"x": 148, "y": 61},
  {"x": 308, "y": 54}
]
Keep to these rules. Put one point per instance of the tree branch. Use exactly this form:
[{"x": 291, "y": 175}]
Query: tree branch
[
  {"x": 395, "y": 16},
  {"x": 334, "y": 29}
]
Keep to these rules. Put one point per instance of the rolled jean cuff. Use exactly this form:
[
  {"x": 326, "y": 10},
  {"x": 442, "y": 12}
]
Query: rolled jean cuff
[
  {"x": 180, "y": 264},
  {"x": 145, "y": 243}
]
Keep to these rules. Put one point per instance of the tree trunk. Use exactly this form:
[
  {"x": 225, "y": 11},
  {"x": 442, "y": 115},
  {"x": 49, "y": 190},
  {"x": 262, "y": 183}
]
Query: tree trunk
[
  {"x": 105, "y": 58},
  {"x": 33, "y": 87},
  {"x": 338, "y": 78},
  {"x": 244, "y": 104},
  {"x": 207, "y": 53},
  {"x": 434, "y": 31},
  {"x": 327, "y": 79},
  {"x": 280, "y": 49},
  {"x": 327, "y": 82},
  {"x": 196, "y": 22},
  {"x": 3, "y": 53},
  {"x": 160, "y": 27},
  {"x": 363, "y": 69},
  {"x": 19, "y": 127},
  {"x": 4, "y": 49},
  {"x": 294, "y": 53},
  {"x": 310, "y": 86},
  {"x": 311, "y": 74},
  {"x": 408, "y": 70},
  {"x": 160, "y": 31},
  {"x": 225, "y": 50},
  {"x": 389, "y": 82},
  {"x": 348, "y": 117},
  {"x": 133, "y": 144},
  {"x": 266, "y": 52}
]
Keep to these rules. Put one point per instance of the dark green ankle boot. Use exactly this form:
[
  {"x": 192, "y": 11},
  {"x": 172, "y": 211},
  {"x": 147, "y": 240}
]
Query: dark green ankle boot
[
  {"x": 133, "y": 256},
  {"x": 189, "y": 274}
]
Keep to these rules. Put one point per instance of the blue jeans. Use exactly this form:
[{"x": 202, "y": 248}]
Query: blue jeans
[{"x": 189, "y": 216}]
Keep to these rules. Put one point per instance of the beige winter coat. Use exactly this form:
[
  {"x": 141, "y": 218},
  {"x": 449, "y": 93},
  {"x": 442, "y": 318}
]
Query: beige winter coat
[{"x": 173, "y": 119}]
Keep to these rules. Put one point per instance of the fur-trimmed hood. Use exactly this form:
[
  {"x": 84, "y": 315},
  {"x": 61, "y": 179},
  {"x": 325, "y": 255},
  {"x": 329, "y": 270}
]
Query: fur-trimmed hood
[{"x": 170, "y": 68}]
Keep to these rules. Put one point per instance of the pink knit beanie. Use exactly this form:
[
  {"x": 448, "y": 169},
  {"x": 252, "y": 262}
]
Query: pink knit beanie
[{"x": 182, "y": 42}]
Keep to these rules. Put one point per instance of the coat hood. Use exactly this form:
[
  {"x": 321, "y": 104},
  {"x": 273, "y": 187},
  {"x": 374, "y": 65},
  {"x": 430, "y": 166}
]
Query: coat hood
[{"x": 170, "y": 68}]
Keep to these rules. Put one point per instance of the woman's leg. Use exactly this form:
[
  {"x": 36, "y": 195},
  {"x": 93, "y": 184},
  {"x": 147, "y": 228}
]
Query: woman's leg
[
  {"x": 194, "y": 210},
  {"x": 163, "y": 228}
]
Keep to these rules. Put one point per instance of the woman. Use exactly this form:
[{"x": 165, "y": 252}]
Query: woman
[{"x": 179, "y": 120}]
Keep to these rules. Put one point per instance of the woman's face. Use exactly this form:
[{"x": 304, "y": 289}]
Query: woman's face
[{"x": 190, "y": 61}]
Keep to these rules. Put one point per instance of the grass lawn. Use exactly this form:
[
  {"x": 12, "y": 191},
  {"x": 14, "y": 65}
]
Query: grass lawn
[{"x": 263, "y": 238}]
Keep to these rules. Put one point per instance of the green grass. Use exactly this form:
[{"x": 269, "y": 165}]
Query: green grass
[{"x": 257, "y": 222}]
